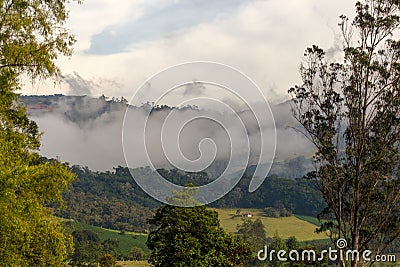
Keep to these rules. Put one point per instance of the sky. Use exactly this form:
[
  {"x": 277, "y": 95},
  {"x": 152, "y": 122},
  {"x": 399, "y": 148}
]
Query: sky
[{"x": 122, "y": 44}]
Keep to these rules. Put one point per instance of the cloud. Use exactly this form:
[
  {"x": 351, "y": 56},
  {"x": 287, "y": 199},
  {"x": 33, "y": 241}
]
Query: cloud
[
  {"x": 263, "y": 39},
  {"x": 194, "y": 89},
  {"x": 166, "y": 19},
  {"x": 77, "y": 85},
  {"x": 87, "y": 131}
]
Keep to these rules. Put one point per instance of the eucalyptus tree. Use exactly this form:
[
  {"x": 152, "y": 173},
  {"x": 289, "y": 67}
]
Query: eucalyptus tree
[{"x": 350, "y": 111}]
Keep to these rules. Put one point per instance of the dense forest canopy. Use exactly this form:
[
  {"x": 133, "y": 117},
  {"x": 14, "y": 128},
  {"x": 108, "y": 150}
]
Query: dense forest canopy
[{"x": 113, "y": 199}]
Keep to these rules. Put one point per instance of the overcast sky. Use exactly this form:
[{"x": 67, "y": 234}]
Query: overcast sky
[{"x": 121, "y": 44}]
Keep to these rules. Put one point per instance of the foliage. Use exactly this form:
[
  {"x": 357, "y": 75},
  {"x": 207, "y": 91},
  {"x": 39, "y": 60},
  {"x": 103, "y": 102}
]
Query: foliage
[
  {"x": 111, "y": 241},
  {"x": 192, "y": 237},
  {"x": 292, "y": 243},
  {"x": 293, "y": 253},
  {"x": 253, "y": 233},
  {"x": 32, "y": 36},
  {"x": 111, "y": 246},
  {"x": 30, "y": 235},
  {"x": 87, "y": 248},
  {"x": 310, "y": 262},
  {"x": 276, "y": 212},
  {"x": 136, "y": 254},
  {"x": 109, "y": 200},
  {"x": 277, "y": 243},
  {"x": 294, "y": 195},
  {"x": 113, "y": 199},
  {"x": 351, "y": 113},
  {"x": 107, "y": 260}
]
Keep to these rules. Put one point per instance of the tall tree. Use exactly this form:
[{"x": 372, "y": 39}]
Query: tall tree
[
  {"x": 32, "y": 35},
  {"x": 351, "y": 113},
  {"x": 253, "y": 233},
  {"x": 30, "y": 235},
  {"x": 87, "y": 248}
]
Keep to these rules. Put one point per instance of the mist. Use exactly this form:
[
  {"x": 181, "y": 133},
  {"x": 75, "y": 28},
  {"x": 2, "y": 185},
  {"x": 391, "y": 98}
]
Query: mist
[{"x": 88, "y": 131}]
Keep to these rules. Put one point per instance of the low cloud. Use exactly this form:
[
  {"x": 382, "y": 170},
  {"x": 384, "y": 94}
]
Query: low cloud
[
  {"x": 77, "y": 85},
  {"x": 87, "y": 131}
]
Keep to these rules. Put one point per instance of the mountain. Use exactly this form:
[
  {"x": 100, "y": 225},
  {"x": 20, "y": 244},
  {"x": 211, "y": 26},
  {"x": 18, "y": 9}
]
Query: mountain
[{"x": 86, "y": 131}]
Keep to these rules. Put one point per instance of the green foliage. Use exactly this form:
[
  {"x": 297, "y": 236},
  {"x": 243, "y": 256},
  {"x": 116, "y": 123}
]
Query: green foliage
[
  {"x": 294, "y": 195},
  {"x": 253, "y": 233},
  {"x": 109, "y": 200},
  {"x": 309, "y": 262},
  {"x": 88, "y": 248},
  {"x": 292, "y": 243},
  {"x": 30, "y": 235},
  {"x": 111, "y": 237},
  {"x": 136, "y": 254},
  {"x": 107, "y": 260},
  {"x": 113, "y": 200},
  {"x": 32, "y": 36},
  {"x": 111, "y": 246},
  {"x": 192, "y": 237},
  {"x": 185, "y": 197},
  {"x": 277, "y": 243},
  {"x": 277, "y": 212}
]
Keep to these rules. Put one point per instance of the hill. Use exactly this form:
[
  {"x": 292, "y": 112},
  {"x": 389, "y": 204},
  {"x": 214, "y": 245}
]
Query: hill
[
  {"x": 86, "y": 131},
  {"x": 284, "y": 226},
  {"x": 127, "y": 240},
  {"x": 113, "y": 199}
]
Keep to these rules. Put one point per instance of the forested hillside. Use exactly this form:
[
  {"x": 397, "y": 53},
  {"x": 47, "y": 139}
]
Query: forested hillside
[{"x": 113, "y": 199}]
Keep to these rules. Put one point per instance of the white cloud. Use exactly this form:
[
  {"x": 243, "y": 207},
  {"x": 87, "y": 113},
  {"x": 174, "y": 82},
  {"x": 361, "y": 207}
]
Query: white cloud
[
  {"x": 264, "y": 39},
  {"x": 93, "y": 16}
]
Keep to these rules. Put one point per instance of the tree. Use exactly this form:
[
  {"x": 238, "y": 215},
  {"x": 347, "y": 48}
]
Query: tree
[
  {"x": 88, "y": 248},
  {"x": 192, "y": 237},
  {"x": 30, "y": 235},
  {"x": 107, "y": 260},
  {"x": 351, "y": 113},
  {"x": 31, "y": 38},
  {"x": 292, "y": 243},
  {"x": 277, "y": 244},
  {"x": 111, "y": 246},
  {"x": 253, "y": 233},
  {"x": 136, "y": 254}
]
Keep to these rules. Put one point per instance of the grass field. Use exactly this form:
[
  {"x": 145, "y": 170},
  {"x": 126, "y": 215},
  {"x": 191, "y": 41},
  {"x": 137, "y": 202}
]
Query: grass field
[
  {"x": 285, "y": 226},
  {"x": 302, "y": 227},
  {"x": 126, "y": 241},
  {"x": 309, "y": 219}
]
